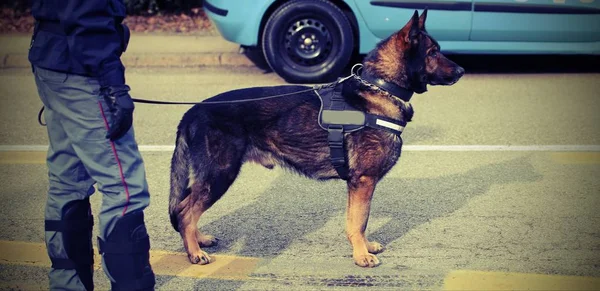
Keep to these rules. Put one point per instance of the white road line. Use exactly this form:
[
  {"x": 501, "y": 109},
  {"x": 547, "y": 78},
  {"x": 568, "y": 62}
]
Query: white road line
[
  {"x": 414, "y": 148},
  {"x": 503, "y": 148}
]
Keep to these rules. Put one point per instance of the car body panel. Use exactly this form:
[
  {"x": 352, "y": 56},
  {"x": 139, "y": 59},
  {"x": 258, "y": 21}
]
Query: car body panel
[
  {"x": 536, "y": 21},
  {"x": 446, "y": 19},
  {"x": 366, "y": 38},
  {"x": 531, "y": 48},
  {"x": 488, "y": 27},
  {"x": 242, "y": 22}
]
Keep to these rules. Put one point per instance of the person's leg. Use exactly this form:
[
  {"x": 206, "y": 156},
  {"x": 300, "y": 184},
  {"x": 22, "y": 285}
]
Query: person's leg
[
  {"x": 118, "y": 169},
  {"x": 68, "y": 219},
  {"x": 124, "y": 241}
]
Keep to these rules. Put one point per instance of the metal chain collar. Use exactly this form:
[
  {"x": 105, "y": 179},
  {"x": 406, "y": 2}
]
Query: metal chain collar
[{"x": 356, "y": 75}]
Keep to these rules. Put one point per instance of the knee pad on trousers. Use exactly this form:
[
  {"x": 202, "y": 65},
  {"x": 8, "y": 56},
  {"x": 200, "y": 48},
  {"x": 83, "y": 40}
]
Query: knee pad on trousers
[
  {"x": 126, "y": 253},
  {"x": 76, "y": 227}
]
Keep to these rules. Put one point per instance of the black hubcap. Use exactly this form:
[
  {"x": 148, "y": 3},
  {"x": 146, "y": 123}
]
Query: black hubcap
[{"x": 307, "y": 42}]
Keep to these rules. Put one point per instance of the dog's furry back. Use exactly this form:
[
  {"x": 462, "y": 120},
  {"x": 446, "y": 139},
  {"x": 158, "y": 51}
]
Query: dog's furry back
[{"x": 267, "y": 131}]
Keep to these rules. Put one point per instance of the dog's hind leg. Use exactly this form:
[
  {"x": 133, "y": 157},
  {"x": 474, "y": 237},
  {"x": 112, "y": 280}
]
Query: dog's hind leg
[
  {"x": 215, "y": 172},
  {"x": 360, "y": 193},
  {"x": 190, "y": 211}
]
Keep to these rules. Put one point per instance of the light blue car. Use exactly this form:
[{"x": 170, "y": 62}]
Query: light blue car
[{"x": 312, "y": 41}]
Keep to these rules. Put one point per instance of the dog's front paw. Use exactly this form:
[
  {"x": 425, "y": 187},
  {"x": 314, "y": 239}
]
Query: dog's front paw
[
  {"x": 200, "y": 257},
  {"x": 375, "y": 247},
  {"x": 366, "y": 261}
]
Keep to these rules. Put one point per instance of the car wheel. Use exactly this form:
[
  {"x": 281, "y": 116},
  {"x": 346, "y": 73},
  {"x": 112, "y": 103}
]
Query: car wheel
[
  {"x": 257, "y": 57},
  {"x": 308, "y": 41}
]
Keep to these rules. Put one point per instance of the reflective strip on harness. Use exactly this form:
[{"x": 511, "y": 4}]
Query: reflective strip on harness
[
  {"x": 383, "y": 123},
  {"x": 389, "y": 125}
]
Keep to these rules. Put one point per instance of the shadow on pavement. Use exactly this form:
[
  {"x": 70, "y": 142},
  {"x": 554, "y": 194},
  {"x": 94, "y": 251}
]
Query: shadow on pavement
[
  {"x": 291, "y": 209},
  {"x": 417, "y": 201}
]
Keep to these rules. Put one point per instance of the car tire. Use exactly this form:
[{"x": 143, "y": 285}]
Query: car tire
[
  {"x": 308, "y": 41},
  {"x": 257, "y": 57}
]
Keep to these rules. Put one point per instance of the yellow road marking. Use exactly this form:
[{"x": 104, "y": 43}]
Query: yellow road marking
[
  {"x": 22, "y": 285},
  {"x": 576, "y": 157},
  {"x": 223, "y": 267},
  {"x": 163, "y": 262},
  {"x": 480, "y": 280},
  {"x": 25, "y": 157}
]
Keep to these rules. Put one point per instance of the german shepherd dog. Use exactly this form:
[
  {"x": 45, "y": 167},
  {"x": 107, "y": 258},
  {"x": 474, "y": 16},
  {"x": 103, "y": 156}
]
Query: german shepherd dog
[{"x": 214, "y": 140}]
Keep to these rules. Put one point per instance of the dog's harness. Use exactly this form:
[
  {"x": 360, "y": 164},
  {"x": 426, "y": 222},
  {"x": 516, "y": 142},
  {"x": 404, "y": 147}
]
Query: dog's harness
[{"x": 338, "y": 117}]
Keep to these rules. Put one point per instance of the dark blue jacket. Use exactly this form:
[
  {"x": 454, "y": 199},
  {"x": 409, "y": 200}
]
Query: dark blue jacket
[{"x": 84, "y": 37}]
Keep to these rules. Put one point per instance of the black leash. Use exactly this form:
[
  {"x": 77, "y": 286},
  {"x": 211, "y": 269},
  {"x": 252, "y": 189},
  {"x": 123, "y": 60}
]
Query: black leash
[
  {"x": 162, "y": 102},
  {"x": 137, "y": 100},
  {"x": 223, "y": 102},
  {"x": 40, "y": 117}
]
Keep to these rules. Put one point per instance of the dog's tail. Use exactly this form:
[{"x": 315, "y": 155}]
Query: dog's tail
[{"x": 180, "y": 177}]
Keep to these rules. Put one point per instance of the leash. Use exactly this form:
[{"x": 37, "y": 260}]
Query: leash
[
  {"x": 158, "y": 102},
  {"x": 225, "y": 101},
  {"x": 40, "y": 117}
]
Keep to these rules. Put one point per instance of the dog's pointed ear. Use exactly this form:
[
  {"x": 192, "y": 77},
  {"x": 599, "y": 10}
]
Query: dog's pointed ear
[
  {"x": 413, "y": 34},
  {"x": 422, "y": 20},
  {"x": 410, "y": 32}
]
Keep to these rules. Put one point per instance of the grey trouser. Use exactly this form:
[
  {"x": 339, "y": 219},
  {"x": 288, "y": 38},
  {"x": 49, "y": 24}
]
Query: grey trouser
[{"x": 80, "y": 156}]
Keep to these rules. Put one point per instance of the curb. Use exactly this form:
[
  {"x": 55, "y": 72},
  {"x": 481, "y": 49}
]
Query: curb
[{"x": 160, "y": 60}]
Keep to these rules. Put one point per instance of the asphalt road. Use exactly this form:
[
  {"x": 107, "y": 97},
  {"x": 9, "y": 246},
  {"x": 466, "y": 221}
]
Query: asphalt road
[{"x": 465, "y": 207}]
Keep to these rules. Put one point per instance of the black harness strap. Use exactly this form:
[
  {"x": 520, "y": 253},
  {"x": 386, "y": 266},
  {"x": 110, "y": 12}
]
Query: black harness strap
[
  {"x": 337, "y": 150},
  {"x": 335, "y": 135},
  {"x": 338, "y": 118}
]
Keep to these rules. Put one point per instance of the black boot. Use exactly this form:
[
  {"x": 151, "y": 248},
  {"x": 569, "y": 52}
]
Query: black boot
[
  {"x": 126, "y": 254},
  {"x": 76, "y": 228}
]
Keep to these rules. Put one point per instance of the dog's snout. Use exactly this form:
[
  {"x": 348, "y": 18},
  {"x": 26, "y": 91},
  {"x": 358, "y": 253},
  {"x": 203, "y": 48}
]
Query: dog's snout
[{"x": 459, "y": 71}]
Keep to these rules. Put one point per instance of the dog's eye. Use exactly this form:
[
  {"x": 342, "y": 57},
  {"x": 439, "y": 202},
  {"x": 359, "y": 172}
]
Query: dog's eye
[{"x": 433, "y": 53}]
